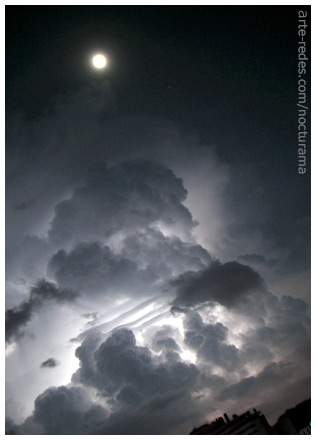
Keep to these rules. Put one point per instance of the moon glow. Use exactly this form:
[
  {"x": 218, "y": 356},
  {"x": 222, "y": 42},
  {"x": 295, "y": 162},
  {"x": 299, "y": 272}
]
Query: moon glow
[{"x": 99, "y": 61}]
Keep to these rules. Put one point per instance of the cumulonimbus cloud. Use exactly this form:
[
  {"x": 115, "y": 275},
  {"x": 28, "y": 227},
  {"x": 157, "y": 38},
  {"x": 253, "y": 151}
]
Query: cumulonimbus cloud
[
  {"x": 117, "y": 237},
  {"x": 125, "y": 197}
]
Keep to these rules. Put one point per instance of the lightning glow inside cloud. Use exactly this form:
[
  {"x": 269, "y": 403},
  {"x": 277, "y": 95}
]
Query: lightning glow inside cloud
[{"x": 128, "y": 283}]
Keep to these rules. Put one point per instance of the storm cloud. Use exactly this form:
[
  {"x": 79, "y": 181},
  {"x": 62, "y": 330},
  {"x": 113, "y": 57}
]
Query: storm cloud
[
  {"x": 63, "y": 410},
  {"x": 90, "y": 267},
  {"x": 157, "y": 252},
  {"x": 146, "y": 258},
  {"x": 210, "y": 342},
  {"x": 127, "y": 376},
  {"x": 166, "y": 336},
  {"x": 131, "y": 195},
  {"x": 224, "y": 283},
  {"x": 128, "y": 381},
  {"x": 43, "y": 292}
]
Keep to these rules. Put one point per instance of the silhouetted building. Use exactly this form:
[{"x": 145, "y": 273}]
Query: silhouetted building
[
  {"x": 295, "y": 420},
  {"x": 305, "y": 431},
  {"x": 248, "y": 423}
]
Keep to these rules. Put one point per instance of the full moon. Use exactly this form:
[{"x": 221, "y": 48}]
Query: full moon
[{"x": 99, "y": 61}]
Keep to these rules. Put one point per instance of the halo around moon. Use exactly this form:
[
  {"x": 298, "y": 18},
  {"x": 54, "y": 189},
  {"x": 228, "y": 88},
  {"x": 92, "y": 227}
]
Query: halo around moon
[{"x": 99, "y": 61}]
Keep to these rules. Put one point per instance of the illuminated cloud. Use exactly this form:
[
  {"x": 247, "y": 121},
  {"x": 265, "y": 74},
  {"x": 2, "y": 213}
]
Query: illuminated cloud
[{"x": 154, "y": 248}]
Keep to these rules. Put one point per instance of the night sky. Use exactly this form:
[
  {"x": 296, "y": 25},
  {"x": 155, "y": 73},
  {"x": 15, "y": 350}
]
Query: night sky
[{"x": 157, "y": 229}]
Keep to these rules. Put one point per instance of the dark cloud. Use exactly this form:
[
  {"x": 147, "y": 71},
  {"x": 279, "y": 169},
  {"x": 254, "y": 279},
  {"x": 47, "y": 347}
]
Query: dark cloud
[
  {"x": 146, "y": 259},
  {"x": 130, "y": 195},
  {"x": 224, "y": 283},
  {"x": 47, "y": 291},
  {"x": 43, "y": 292},
  {"x": 64, "y": 410},
  {"x": 91, "y": 267},
  {"x": 127, "y": 372},
  {"x": 11, "y": 428},
  {"x": 50, "y": 363},
  {"x": 173, "y": 412},
  {"x": 17, "y": 318},
  {"x": 134, "y": 382}
]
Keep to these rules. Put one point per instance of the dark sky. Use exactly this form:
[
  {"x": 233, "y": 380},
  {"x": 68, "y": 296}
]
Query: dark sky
[
  {"x": 231, "y": 72},
  {"x": 161, "y": 193}
]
